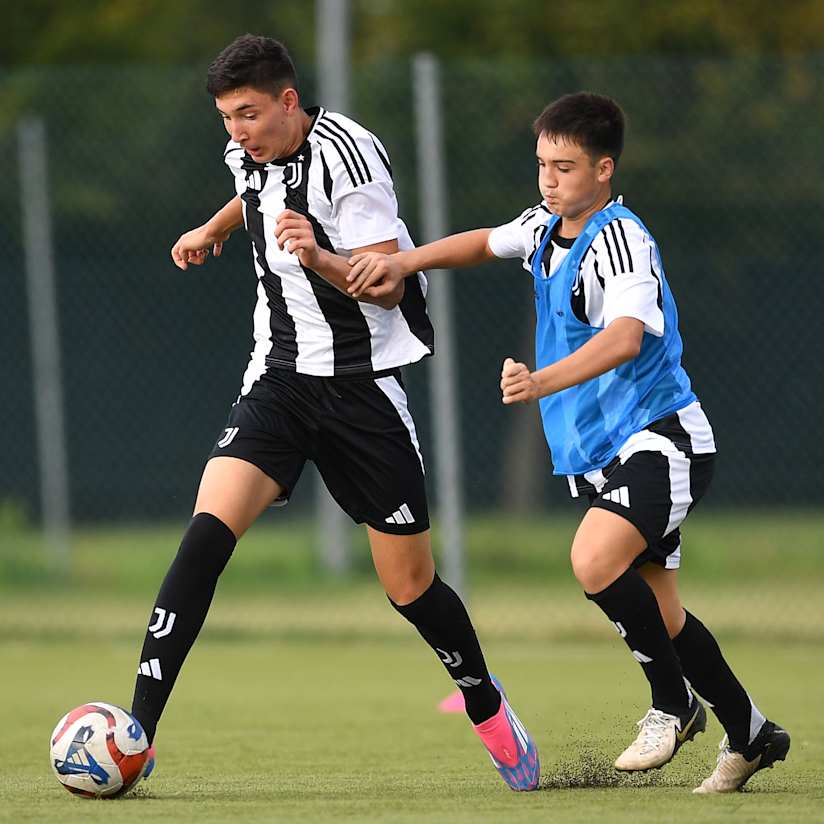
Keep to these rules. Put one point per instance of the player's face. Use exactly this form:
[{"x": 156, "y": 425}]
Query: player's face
[
  {"x": 570, "y": 182},
  {"x": 265, "y": 126}
]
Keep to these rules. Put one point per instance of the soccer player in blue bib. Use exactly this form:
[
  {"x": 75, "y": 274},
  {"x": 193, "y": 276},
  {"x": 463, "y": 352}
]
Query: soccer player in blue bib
[{"x": 622, "y": 423}]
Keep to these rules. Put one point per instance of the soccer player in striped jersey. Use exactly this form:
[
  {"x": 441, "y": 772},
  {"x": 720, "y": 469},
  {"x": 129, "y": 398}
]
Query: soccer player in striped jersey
[
  {"x": 323, "y": 383},
  {"x": 621, "y": 420}
]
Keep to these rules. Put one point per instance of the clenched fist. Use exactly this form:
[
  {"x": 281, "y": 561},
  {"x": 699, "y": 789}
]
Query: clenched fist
[{"x": 517, "y": 383}]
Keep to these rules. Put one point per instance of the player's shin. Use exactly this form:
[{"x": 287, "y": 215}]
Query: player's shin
[
  {"x": 442, "y": 620},
  {"x": 710, "y": 675},
  {"x": 630, "y": 604},
  {"x": 179, "y": 613}
]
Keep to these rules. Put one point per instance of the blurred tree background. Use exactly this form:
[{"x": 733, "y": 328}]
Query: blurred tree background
[{"x": 187, "y": 31}]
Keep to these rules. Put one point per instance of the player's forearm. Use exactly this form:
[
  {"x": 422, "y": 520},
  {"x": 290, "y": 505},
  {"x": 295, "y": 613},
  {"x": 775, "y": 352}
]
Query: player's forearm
[
  {"x": 334, "y": 269},
  {"x": 453, "y": 252},
  {"x": 618, "y": 343},
  {"x": 227, "y": 219}
]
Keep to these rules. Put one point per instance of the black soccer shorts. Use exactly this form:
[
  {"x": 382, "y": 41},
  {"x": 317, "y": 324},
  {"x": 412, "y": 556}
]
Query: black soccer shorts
[
  {"x": 357, "y": 430},
  {"x": 656, "y": 488}
]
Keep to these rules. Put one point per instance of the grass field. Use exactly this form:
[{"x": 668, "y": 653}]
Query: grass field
[
  {"x": 309, "y": 699},
  {"x": 347, "y": 731}
]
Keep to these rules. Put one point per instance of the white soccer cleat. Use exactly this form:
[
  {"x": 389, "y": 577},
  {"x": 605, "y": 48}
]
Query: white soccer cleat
[
  {"x": 733, "y": 769},
  {"x": 660, "y": 736}
]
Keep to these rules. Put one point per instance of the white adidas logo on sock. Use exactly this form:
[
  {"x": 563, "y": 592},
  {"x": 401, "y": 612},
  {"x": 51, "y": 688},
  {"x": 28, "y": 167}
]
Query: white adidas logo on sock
[
  {"x": 468, "y": 681},
  {"x": 618, "y": 496},
  {"x": 151, "y": 668},
  {"x": 401, "y": 516}
]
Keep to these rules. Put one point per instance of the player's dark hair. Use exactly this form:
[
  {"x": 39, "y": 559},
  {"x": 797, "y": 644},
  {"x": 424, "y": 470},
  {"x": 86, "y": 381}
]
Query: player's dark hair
[
  {"x": 261, "y": 63},
  {"x": 592, "y": 121}
]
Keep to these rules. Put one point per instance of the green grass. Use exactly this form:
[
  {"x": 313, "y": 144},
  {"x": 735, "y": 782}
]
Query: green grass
[
  {"x": 309, "y": 699},
  {"x": 314, "y": 730},
  {"x": 749, "y": 574},
  {"x": 278, "y": 552}
]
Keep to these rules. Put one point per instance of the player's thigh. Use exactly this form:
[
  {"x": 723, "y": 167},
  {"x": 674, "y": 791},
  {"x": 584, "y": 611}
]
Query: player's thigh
[
  {"x": 664, "y": 583},
  {"x": 236, "y": 492},
  {"x": 369, "y": 456},
  {"x": 404, "y": 563},
  {"x": 259, "y": 455},
  {"x": 604, "y": 547}
]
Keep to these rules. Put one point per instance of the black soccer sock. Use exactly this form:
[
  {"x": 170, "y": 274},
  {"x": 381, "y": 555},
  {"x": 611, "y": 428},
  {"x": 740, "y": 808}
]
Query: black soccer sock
[
  {"x": 442, "y": 620},
  {"x": 630, "y": 604},
  {"x": 707, "y": 671},
  {"x": 179, "y": 613}
]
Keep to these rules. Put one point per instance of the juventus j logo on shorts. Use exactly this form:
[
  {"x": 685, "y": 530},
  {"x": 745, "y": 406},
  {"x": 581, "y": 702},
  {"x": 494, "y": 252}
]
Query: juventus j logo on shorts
[{"x": 228, "y": 437}]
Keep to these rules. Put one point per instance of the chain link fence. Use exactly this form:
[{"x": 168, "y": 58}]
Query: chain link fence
[{"x": 722, "y": 161}]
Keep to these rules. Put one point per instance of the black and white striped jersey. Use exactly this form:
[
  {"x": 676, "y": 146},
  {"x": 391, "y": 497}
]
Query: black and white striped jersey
[
  {"x": 341, "y": 180},
  {"x": 618, "y": 276}
]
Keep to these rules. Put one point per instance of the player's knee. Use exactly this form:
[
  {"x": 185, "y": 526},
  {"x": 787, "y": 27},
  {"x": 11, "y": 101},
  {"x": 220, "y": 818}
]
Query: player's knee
[
  {"x": 663, "y": 586},
  {"x": 674, "y": 617},
  {"x": 594, "y": 573},
  {"x": 408, "y": 588}
]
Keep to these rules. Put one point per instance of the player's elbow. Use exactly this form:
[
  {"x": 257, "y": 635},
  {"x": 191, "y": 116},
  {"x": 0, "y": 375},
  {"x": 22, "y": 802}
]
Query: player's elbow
[
  {"x": 389, "y": 302},
  {"x": 629, "y": 335},
  {"x": 393, "y": 298},
  {"x": 384, "y": 301},
  {"x": 632, "y": 347}
]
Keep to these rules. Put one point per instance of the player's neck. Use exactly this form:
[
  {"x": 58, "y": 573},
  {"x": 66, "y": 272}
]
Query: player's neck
[
  {"x": 571, "y": 227},
  {"x": 303, "y": 125}
]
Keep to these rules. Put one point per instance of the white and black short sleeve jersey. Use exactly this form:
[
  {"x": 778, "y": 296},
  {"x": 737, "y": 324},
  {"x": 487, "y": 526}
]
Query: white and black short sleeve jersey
[
  {"x": 341, "y": 180},
  {"x": 364, "y": 206},
  {"x": 618, "y": 276}
]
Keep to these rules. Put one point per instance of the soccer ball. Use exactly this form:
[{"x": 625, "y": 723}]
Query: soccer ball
[{"x": 98, "y": 750}]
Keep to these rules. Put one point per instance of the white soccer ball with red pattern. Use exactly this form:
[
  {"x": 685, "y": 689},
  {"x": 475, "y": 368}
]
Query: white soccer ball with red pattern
[{"x": 98, "y": 750}]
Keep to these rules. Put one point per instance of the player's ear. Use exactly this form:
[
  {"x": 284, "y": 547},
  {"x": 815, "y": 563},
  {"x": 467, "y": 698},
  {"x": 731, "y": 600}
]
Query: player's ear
[
  {"x": 289, "y": 99},
  {"x": 606, "y": 169}
]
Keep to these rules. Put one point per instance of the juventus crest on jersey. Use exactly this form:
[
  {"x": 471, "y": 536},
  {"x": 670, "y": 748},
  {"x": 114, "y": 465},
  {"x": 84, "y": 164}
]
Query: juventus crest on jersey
[{"x": 341, "y": 180}]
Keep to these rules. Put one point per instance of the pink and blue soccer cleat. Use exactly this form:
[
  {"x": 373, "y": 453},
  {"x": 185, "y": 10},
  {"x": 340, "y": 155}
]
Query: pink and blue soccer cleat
[{"x": 510, "y": 746}]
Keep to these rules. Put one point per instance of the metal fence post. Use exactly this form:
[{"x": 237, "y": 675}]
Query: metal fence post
[
  {"x": 332, "y": 59},
  {"x": 444, "y": 384},
  {"x": 44, "y": 336}
]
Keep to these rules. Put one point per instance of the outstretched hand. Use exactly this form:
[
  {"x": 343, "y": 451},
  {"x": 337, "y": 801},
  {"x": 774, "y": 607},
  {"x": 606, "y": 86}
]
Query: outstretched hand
[
  {"x": 374, "y": 274},
  {"x": 193, "y": 247},
  {"x": 517, "y": 383}
]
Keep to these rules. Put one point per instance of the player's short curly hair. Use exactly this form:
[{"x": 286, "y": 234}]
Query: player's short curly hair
[
  {"x": 594, "y": 122},
  {"x": 261, "y": 63}
]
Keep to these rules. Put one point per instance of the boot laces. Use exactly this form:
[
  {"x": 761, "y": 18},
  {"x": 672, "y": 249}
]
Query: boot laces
[
  {"x": 724, "y": 751},
  {"x": 653, "y": 729},
  {"x": 731, "y": 765}
]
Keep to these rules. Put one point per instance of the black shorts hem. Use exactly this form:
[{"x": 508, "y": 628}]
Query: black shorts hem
[
  {"x": 627, "y": 515},
  {"x": 652, "y": 552},
  {"x": 285, "y": 493},
  {"x": 397, "y": 529}
]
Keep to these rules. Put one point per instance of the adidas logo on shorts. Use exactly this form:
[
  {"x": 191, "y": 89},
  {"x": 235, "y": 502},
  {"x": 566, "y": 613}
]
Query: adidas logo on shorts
[
  {"x": 618, "y": 496},
  {"x": 401, "y": 516}
]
